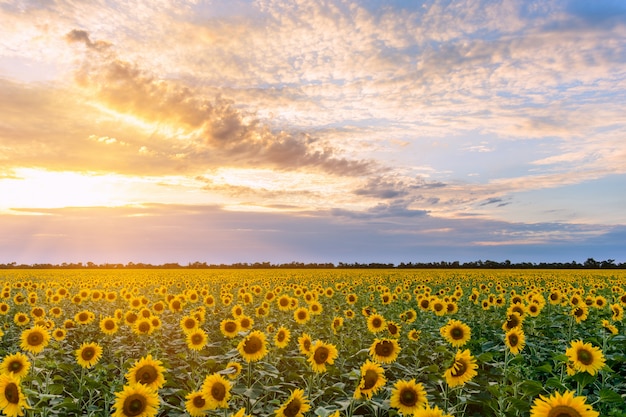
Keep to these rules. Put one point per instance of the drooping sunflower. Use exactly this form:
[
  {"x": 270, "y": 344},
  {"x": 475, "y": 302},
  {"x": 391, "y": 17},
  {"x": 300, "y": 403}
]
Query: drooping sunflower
[
  {"x": 196, "y": 339},
  {"x": 609, "y": 327},
  {"x": 394, "y": 329},
  {"x": 456, "y": 333},
  {"x": 253, "y": 347},
  {"x": 196, "y": 404},
  {"x": 515, "y": 340},
  {"x": 230, "y": 327},
  {"x": 322, "y": 354},
  {"x": 562, "y": 405},
  {"x": 12, "y": 400},
  {"x": 301, "y": 315},
  {"x": 408, "y": 396},
  {"x": 35, "y": 339},
  {"x": 304, "y": 344},
  {"x": 88, "y": 354},
  {"x": 372, "y": 380},
  {"x": 462, "y": 370},
  {"x": 384, "y": 350},
  {"x": 376, "y": 323},
  {"x": 296, "y": 405},
  {"x": 431, "y": 412},
  {"x": 108, "y": 325},
  {"x": 17, "y": 363},
  {"x": 585, "y": 357},
  {"x": 216, "y": 391},
  {"x": 337, "y": 324},
  {"x": 136, "y": 400},
  {"x": 147, "y": 371},
  {"x": 282, "y": 337}
]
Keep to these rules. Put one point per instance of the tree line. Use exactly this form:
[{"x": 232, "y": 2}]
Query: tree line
[{"x": 590, "y": 263}]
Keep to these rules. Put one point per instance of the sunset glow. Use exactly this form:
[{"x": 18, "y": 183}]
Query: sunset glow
[{"x": 242, "y": 131}]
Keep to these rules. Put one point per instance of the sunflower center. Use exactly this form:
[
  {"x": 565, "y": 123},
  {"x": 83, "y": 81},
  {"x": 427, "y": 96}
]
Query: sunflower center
[
  {"x": 252, "y": 345},
  {"x": 218, "y": 391},
  {"x": 109, "y": 325},
  {"x": 579, "y": 312},
  {"x": 245, "y": 323},
  {"x": 459, "y": 368},
  {"x": 230, "y": 327},
  {"x": 199, "y": 401},
  {"x": 293, "y": 408},
  {"x": 369, "y": 379},
  {"x": 281, "y": 336},
  {"x": 190, "y": 323},
  {"x": 408, "y": 397},
  {"x": 301, "y": 315},
  {"x": 563, "y": 411},
  {"x": 284, "y": 302},
  {"x": 384, "y": 348},
  {"x": 376, "y": 322},
  {"x": 134, "y": 405},
  {"x": 15, "y": 366},
  {"x": 147, "y": 374},
  {"x": 11, "y": 393},
  {"x": 35, "y": 339},
  {"x": 320, "y": 356},
  {"x": 584, "y": 356},
  {"x": 196, "y": 339},
  {"x": 144, "y": 327},
  {"x": 307, "y": 344},
  {"x": 513, "y": 340},
  {"x": 456, "y": 333},
  {"x": 88, "y": 353}
]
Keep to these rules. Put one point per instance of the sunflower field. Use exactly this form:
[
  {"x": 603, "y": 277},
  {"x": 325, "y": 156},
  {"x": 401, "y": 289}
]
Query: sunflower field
[{"x": 291, "y": 343}]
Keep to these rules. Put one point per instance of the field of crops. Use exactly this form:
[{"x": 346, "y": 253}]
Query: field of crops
[{"x": 293, "y": 343}]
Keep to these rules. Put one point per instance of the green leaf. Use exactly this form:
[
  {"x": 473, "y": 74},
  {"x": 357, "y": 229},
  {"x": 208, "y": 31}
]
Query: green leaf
[
  {"x": 544, "y": 368},
  {"x": 555, "y": 383},
  {"x": 531, "y": 388},
  {"x": 610, "y": 396}
]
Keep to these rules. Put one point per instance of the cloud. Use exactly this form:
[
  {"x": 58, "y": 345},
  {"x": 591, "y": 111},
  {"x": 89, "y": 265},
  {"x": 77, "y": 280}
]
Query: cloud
[{"x": 217, "y": 127}]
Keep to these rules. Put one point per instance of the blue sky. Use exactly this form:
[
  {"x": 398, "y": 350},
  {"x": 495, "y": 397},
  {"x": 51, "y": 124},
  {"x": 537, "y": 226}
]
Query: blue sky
[{"x": 333, "y": 131}]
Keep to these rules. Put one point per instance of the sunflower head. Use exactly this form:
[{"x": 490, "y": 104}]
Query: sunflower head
[
  {"x": 253, "y": 347},
  {"x": 147, "y": 371},
  {"x": 322, "y": 354},
  {"x": 35, "y": 339},
  {"x": 408, "y": 396},
  {"x": 12, "y": 400},
  {"x": 515, "y": 340},
  {"x": 372, "y": 380},
  {"x": 136, "y": 400},
  {"x": 562, "y": 405},
  {"x": 295, "y": 406},
  {"x": 88, "y": 354},
  {"x": 456, "y": 333},
  {"x": 462, "y": 370},
  {"x": 216, "y": 391},
  {"x": 196, "y": 339},
  {"x": 584, "y": 357},
  {"x": 384, "y": 350}
]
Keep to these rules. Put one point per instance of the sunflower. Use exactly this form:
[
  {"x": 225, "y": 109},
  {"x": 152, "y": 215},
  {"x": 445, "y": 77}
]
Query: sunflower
[
  {"x": 21, "y": 319},
  {"x": 438, "y": 307},
  {"x": 301, "y": 315},
  {"x": 136, "y": 400},
  {"x": 147, "y": 371},
  {"x": 409, "y": 316},
  {"x": 143, "y": 326},
  {"x": 17, "y": 363},
  {"x": 580, "y": 313},
  {"x": 456, "y": 332},
  {"x": 515, "y": 340},
  {"x": 609, "y": 327},
  {"x": 245, "y": 322},
  {"x": 108, "y": 325},
  {"x": 414, "y": 335},
  {"x": 394, "y": 329},
  {"x": 284, "y": 303},
  {"x": 585, "y": 357},
  {"x": 35, "y": 339},
  {"x": 372, "y": 380},
  {"x": 408, "y": 396},
  {"x": 241, "y": 413},
  {"x": 384, "y": 350},
  {"x": 88, "y": 354},
  {"x": 352, "y": 298},
  {"x": 230, "y": 327},
  {"x": 322, "y": 354},
  {"x": 295, "y": 406},
  {"x": 84, "y": 317},
  {"x": 196, "y": 339},
  {"x": 462, "y": 370},
  {"x": 282, "y": 337},
  {"x": 59, "y": 334},
  {"x": 196, "y": 404},
  {"x": 12, "y": 400},
  {"x": 562, "y": 405},
  {"x": 216, "y": 391},
  {"x": 232, "y": 370},
  {"x": 253, "y": 347},
  {"x": 513, "y": 320},
  {"x": 376, "y": 323},
  {"x": 430, "y": 412},
  {"x": 304, "y": 344},
  {"x": 617, "y": 312},
  {"x": 189, "y": 324}
]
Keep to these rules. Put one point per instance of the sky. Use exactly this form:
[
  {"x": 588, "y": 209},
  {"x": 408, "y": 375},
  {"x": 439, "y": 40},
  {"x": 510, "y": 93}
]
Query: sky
[{"x": 226, "y": 131}]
